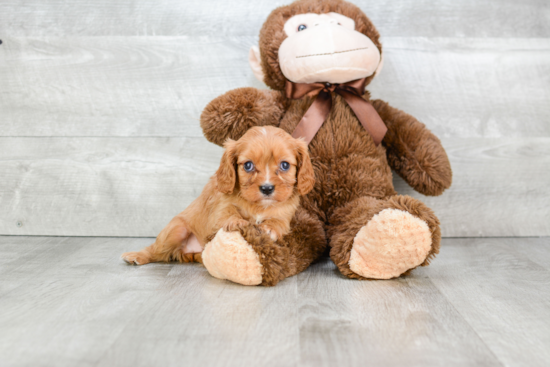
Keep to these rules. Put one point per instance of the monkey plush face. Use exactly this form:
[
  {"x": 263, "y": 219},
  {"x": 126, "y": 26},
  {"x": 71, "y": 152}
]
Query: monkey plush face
[
  {"x": 312, "y": 41},
  {"x": 326, "y": 48}
]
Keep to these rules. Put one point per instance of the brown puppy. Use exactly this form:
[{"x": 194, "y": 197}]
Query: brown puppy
[{"x": 259, "y": 181}]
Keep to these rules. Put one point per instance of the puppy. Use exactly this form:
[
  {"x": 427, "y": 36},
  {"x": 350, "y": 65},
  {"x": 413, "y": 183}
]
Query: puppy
[{"x": 259, "y": 181}]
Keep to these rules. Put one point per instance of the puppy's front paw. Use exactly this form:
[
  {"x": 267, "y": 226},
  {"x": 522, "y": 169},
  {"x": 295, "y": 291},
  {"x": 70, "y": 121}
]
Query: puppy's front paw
[
  {"x": 270, "y": 231},
  {"x": 136, "y": 258},
  {"x": 233, "y": 225}
]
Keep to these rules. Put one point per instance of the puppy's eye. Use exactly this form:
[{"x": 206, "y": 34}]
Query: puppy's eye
[
  {"x": 248, "y": 166},
  {"x": 284, "y": 166},
  {"x": 301, "y": 27}
]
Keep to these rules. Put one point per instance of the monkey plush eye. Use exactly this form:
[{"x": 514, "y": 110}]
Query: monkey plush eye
[
  {"x": 284, "y": 166},
  {"x": 301, "y": 27},
  {"x": 248, "y": 166}
]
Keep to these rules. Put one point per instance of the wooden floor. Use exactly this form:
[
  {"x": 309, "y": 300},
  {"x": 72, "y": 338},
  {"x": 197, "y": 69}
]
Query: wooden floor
[{"x": 70, "y": 301}]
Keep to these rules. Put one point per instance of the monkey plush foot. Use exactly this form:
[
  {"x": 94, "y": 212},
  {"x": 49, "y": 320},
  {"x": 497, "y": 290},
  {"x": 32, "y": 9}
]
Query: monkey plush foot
[
  {"x": 390, "y": 244},
  {"x": 229, "y": 256}
]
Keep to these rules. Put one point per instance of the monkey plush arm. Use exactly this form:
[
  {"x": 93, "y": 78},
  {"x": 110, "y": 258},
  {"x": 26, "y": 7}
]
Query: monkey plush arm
[
  {"x": 414, "y": 152},
  {"x": 233, "y": 113}
]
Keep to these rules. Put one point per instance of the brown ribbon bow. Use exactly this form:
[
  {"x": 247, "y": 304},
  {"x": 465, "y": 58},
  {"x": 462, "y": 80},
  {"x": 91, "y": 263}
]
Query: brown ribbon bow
[{"x": 318, "y": 111}]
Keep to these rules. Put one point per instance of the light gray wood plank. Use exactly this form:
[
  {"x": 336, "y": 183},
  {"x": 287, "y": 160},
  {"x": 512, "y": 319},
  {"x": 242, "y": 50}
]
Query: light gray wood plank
[
  {"x": 93, "y": 309},
  {"x": 100, "y": 186},
  {"x": 203, "y": 321},
  {"x": 426, "y": 18},
  {"x": 502, "y": 294},
  {"x": 382, "y": 323},
  {"x": 133, "y": 186},
  {"x": 20, "y": 255},
  {"x": 535, "y": 249},
  {"x": 469, "y": 87},
  {"x": 17, "y": 250},
  {"x": 120, "y": 86},
  {"x": 480, "y": 302},
  {"x": 158, "y": 86},
  {"x": 500, "y": 188},
  {"x": 69, "y": 311}
]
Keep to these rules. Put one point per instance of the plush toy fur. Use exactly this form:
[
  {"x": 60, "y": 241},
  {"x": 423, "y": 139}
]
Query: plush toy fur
[{"x": 372, "y": 232}]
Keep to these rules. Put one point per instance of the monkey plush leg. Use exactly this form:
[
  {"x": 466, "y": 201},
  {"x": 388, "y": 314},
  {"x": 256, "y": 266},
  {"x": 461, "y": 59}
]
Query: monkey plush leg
[
  {"x": 250, "y": 257},
  {"x": 174, "y": 243},
  {"x": 383, "y": 239}
]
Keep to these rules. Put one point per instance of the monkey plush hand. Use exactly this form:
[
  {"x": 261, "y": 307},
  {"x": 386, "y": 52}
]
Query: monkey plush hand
[{"x": 318, "y": 56}]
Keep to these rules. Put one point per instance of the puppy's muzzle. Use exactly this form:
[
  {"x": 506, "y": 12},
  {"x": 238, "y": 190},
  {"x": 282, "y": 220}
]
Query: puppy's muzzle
[{"x": 267, "y": 189}]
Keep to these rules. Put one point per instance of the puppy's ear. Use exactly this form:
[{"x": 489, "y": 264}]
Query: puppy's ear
[
  {"x": 225, "y": 175},
  {"x": 306, "y": 177}
]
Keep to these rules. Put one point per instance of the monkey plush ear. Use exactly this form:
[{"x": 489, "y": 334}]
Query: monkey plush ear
[
  {"x": 225, "y": 175},
  {"x": 255, "y": 63}
]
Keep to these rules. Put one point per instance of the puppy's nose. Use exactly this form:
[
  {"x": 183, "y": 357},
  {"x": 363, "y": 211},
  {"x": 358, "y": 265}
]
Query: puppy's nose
[{"x": 267, "y": 189}]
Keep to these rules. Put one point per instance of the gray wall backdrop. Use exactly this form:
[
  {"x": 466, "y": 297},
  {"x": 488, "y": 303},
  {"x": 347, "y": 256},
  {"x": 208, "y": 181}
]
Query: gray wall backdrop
[{"x": 100, "y": 104}]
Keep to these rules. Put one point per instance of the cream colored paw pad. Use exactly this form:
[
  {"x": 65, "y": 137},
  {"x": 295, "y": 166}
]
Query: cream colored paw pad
[
  {"x": 391, "y": 243},
  {"x": 229, "y": 256}
]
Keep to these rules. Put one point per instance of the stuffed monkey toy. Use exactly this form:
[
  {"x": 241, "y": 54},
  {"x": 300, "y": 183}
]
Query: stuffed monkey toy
[{"x": 317, "y": 56}]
